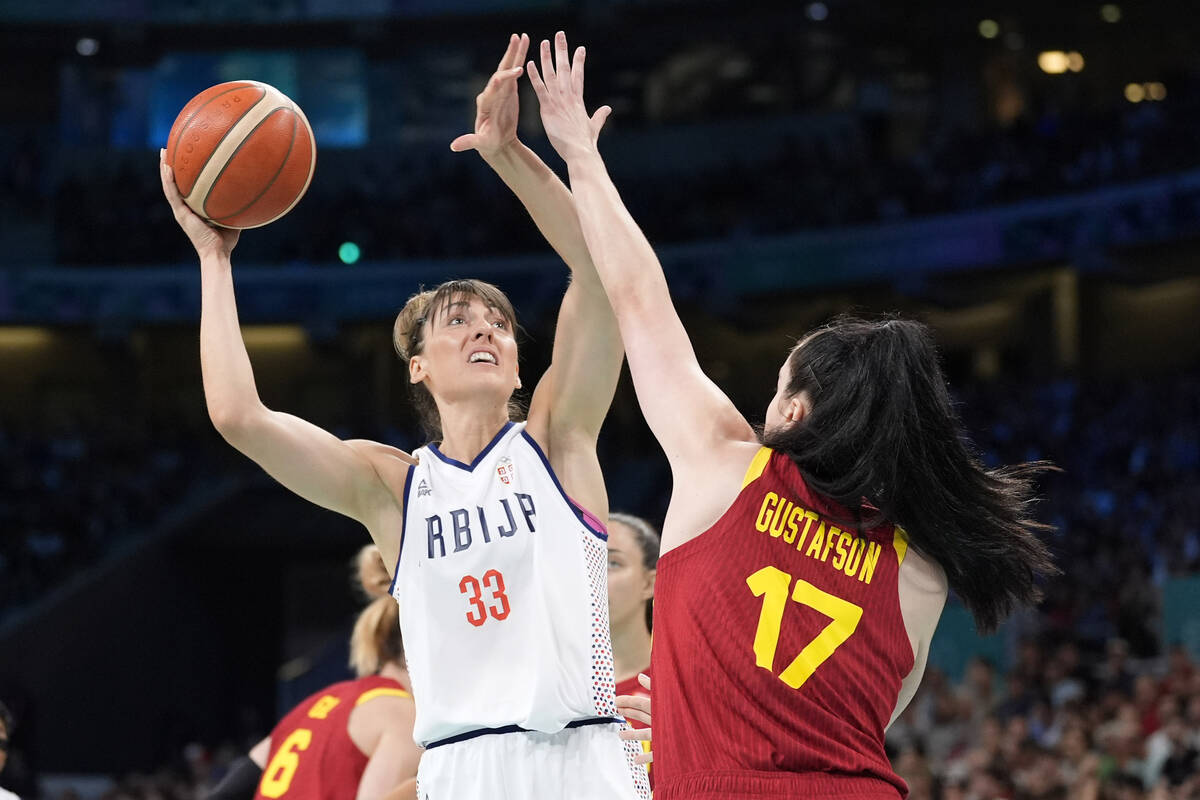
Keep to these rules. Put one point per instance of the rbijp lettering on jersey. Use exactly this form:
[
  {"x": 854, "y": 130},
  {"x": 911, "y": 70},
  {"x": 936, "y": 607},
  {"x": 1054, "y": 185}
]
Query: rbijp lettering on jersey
[{"x": 501, "y": 584}]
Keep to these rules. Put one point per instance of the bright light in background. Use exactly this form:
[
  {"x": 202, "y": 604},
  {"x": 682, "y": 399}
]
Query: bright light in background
[
  {"x": 349, "y": 253},
  {"x": 817, "y": 11},
  {"x": 87, "y": 46},
  {"x": 1053, "y": 62},
  {"x": 1134, "y": 93},
  {"x": 274, "y": 337},
  {"x": 24, "y": 337},
  {"x": 989, "y": 28},
  {"x": 1110, "y": 12},
  {"x": 1156, "y": 91},
  {"x": 1075, "y": 61}
]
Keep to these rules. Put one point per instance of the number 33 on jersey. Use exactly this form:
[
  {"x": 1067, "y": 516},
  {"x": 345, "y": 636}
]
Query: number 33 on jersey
[{"x": 502, "y": 588}]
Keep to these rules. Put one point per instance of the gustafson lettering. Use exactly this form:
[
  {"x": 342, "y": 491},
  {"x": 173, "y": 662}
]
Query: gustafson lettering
[
  {"x": 852, "y": 555},
  {"x": 459, "y": 528}
]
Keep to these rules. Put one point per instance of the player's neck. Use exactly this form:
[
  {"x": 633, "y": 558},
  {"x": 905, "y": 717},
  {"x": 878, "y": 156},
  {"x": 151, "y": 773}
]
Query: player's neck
[
  {"x": 397, "y": 673},
  {"x": 631, "y": 649},
  {"x": 465, "y": 432}
]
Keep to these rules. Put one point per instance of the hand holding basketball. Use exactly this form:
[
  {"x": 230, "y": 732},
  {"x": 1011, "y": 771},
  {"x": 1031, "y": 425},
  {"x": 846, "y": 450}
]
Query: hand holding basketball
[
  {"x": 497, "y": 106},
  {"x": 559, "y": 89},
  {"x": 206, "y": 238}
]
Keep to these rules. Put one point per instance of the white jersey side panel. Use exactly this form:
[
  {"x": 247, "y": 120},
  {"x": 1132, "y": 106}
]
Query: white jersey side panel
[{"x": 502, "y": 588}]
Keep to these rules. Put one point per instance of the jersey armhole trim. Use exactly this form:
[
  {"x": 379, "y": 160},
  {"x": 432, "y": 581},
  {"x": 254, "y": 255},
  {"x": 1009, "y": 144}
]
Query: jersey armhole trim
[
  {"x": 755, "y": 470},
  {"x": 587, "y": 519},
  {"x": 900, "y": 542},
  {"x": 384, "y": 691},
  {"x": 403, "y": 533}
]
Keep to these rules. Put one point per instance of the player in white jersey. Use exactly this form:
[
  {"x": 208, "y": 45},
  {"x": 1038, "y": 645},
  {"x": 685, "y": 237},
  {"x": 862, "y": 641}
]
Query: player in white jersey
[{"x": 500, "y": 571}]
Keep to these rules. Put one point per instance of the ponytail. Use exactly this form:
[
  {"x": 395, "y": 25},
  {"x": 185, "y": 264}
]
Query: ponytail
[
  {"x": 883, "y": 440},
  {"x": 376, "y": 638}
]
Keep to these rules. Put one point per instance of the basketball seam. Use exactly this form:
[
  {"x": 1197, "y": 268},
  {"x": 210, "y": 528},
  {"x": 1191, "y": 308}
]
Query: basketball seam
[
  {"x": 233, "y": 155},
  {"x": 197, "y": 200},
  {"x": 217, "y": 145},
  {"x": 312, "y": 165}
]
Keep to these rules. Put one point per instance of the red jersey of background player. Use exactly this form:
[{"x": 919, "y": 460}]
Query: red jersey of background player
[
  {"x": 780, "y": 649},
  {"x": 631, "y": 686},
  {"x": 312, "y": 755}
]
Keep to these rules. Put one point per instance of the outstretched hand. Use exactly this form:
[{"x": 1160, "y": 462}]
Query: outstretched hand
[
  {"x": 559, "y": 90},
  {"x": 208, "y": 239},
  {"x": 497, "y": 106}
]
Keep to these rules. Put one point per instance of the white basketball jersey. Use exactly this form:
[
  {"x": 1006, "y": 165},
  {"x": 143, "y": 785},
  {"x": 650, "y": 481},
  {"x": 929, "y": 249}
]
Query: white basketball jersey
[{"x": 502, "y": 588}]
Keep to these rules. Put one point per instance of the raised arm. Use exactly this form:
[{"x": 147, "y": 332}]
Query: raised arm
[
  {"x": 688, "y": 413},
  {"x": 341, "y": 476},
  {"x": 573, "y": 397}
]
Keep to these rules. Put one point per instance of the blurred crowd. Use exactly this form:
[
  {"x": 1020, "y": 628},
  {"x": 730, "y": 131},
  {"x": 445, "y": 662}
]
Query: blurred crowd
[
  {"x": 421, "y": 201},
  {"x": 1058, "y": 725},
  {"x": 72, "y": 494},
  {"x": 1126, "y": 504}
]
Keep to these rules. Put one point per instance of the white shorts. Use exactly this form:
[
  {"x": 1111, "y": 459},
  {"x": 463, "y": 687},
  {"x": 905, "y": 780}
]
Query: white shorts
[{"x": 585, "y": 763}]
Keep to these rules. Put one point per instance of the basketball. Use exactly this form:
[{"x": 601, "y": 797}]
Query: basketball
[{"x": 243, "y": 154}]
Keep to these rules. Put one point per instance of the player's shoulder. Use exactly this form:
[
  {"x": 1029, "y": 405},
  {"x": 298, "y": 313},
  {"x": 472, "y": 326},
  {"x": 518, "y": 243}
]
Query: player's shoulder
[
  {"x": 919, "y": 574},
  {"x": 377, "y": 687},
  {"x": 5, "y": 794}
]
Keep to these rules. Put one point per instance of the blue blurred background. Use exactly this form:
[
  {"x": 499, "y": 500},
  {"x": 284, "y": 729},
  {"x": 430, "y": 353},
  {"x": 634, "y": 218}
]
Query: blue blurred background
[{"x": 1023, "y": 176}]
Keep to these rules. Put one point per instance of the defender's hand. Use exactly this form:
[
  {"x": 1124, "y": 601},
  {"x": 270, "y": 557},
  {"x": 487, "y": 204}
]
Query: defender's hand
[
  {"x": 559, "y": 89},
  {"x": 497, "y": 106}
]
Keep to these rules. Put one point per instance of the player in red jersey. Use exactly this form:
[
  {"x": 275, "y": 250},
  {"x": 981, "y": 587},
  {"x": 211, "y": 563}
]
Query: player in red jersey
[
  {"x": 352, "y": 740},
  {"x": 632, "y": 564},
  {"x": 803, "y": 572}
]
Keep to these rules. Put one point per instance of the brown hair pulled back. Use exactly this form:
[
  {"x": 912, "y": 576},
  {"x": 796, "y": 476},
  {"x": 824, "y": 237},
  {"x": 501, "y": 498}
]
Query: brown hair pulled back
[{"x": 408, "y": 337}]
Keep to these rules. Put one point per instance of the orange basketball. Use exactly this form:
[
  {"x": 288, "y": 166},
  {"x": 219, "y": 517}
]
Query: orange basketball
[{"x": 243, "y": 154}]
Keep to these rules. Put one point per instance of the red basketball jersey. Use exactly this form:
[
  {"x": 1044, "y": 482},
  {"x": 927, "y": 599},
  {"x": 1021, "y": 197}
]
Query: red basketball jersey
[
  {"x": 779, "y": 650},
  {"x": 312, "y": 755}
]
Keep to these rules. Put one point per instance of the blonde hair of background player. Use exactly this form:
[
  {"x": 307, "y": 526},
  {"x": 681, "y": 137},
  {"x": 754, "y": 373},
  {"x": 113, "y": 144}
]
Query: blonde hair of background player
[
  {"x": 382, "y": 727},
  {"x": 376, "y": 641}
]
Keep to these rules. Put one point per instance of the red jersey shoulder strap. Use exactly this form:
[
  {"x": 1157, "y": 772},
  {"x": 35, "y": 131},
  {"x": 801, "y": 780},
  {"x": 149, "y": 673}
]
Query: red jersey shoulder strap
[{"x": 376, "y": 686}]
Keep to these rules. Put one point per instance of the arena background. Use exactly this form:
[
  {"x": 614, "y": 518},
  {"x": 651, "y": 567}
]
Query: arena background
[{"x": 1023, "y": 176}]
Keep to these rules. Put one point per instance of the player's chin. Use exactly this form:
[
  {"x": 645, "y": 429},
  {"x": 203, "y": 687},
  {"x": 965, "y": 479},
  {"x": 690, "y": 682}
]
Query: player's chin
[{"x": 488, "y": 379}]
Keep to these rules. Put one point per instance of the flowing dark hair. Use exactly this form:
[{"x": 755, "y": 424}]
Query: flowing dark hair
[
  {"x": 883, "y": 439},
  {"x": 649, "y": 542},
  {"x": 408, "y": 337}
]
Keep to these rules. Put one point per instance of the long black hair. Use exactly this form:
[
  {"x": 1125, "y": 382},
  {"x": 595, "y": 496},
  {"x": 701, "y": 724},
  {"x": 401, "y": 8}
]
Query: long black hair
[{"x": 882, "y": 439}]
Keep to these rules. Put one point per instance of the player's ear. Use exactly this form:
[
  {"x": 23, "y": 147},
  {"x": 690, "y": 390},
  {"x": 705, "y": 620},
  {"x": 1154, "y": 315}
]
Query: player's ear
[
  {"x": 417, "y": 371},
  {"x": 797, "y": 407},
  {"x": 648, "y": 589},
  {"x": 518, "y": 376}
]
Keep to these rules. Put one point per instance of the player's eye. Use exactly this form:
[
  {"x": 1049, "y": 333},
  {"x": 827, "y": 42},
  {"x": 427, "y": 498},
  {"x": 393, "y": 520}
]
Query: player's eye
[
  {"x": 456, "y": 319},
  {"x": 500, "y": 323}
]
